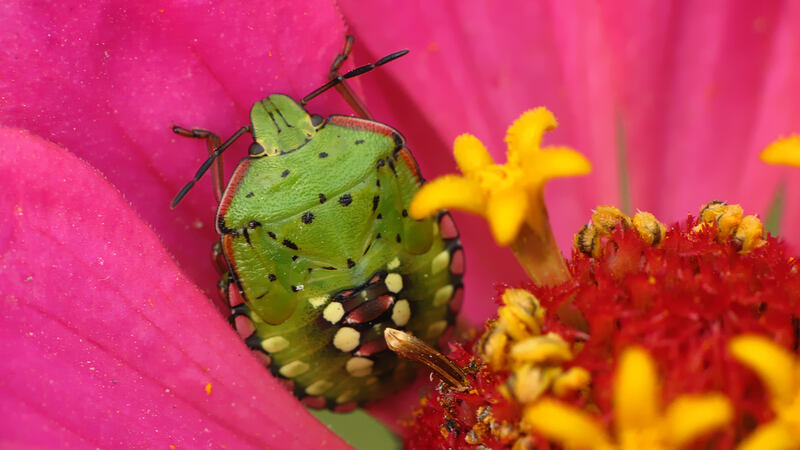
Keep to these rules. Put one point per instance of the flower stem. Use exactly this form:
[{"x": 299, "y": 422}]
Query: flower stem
[{"x": 536, "y": 249}]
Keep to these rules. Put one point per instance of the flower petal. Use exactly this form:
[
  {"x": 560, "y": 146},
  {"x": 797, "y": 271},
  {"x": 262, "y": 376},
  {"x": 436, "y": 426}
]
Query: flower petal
[
  {"x": 568, "y": 426},
  {"x": 691, "y": 416},
  {"x": 103, "y": 342},
  {"x": 506, "y": 211},
  {"x": 772, "y": 436},
  {"x": 470, "y": 154},
  {"x": 774, "y": 365},
  {"x": 524, "y": 136},
  {"x": 450, "y": 191},
  {"x": 555, "y": 162},
  {"x": 784, "y": 151},
  {"x": 636, "y": 392}
]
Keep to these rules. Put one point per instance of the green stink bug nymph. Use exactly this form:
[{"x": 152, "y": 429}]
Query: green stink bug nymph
[{"x": 318, "y": 255}]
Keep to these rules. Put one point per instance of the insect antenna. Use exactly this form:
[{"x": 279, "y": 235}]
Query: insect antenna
[
  {"x": 206, "y": 165},
  {"x": 353, "y": 73}
]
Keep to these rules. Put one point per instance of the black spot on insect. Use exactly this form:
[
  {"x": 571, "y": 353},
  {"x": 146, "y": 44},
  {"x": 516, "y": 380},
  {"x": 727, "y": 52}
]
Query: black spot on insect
[
  {"x": 250, "y": 195},
  {"x": 329, "y": 268},
  {"x": 369, "y": 246},
  {"x": 253, "y": 224},
  {"x": 308, "y": 217},
  {"x": 378, "y": 183},
  {"x": 322, "y": 198},
  {"x": 380, "y": 163},
  {"x": 398, "y": 141},
  {"x": 271, "y": 234},
  {"x": 310, "y": 269},
  {"x": 323, "y": 155},
  {"x": 350, "y": 263},
  {"x": 345, "y": 200},
  {"x": 246, "y": 236},
  {"x": 404, "y": 213},
  {"x": 285, "y": 173},
  {"x": 375, "y": 201},
  {"x": 359, "y": 141},
  {"x": 296, "y": 288},
  {"x": 289, "y": 244},
  {"x": 380, "y": 216},
  {"x": 397, "y": 238},
  {"x": 294, "y": 257},
  {"x": 391, "y": 166},
  {"x": 224, "y": 229},
  {"x": 378, "y": 236},
  {"x": 242, "y": 309},
  {"x": 272, "y": 277}
]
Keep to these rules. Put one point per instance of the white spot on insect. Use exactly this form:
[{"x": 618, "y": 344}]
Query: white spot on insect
[
  {"x": 364, "y": 294},
  {"x": 346, "y": 339},
  {"x": 299, "y": 287},
  {"x": 437, "y": 328},
  {"x": 401, "y": 313},
  {"x": 316, "y": 302},
  {"x": 274, "y": 344},
  {"x": 394, "y": 282},
  {"x": 359, "y": 367},
  {"x": 319, "y": 387},
  {"x": 333, "y": 312},
  {"x": 393, "y": 264},
  {"x": 442, "y": 295},
  {"x": 293, "y": 369},
  {"x": 346, "y": 396},
  {"x": 439, "y": 262}
]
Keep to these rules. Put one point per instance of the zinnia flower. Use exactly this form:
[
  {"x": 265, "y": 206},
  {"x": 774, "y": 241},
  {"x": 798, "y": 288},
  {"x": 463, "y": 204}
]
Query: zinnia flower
[{"x": 107, "y": 342}]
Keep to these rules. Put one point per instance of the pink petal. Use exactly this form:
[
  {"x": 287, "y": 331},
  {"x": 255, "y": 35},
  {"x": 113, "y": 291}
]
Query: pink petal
[
  {"x": 107, "y": 81},
  {"x": 103, "y": 342},
  {"x": 703, "y": 88}
]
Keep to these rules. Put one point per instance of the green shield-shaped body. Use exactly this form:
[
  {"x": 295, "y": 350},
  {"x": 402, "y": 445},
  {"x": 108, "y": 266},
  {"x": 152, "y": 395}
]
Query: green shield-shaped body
[{"x": 315, "y": 230}]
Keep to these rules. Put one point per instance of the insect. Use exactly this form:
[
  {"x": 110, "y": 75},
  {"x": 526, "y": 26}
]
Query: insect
[{"x": 317, "y": 253}]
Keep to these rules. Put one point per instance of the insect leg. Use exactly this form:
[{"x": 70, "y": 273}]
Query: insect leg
[
  {"x": 206, "y": 165},
  {"x": 337, "y": 80},
  {"x": 212, "y": 142},
  {"x": 344, "y": 89}
]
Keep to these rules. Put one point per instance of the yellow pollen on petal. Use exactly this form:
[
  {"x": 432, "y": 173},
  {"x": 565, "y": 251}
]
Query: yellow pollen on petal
[{"x": 785, "y": 151}]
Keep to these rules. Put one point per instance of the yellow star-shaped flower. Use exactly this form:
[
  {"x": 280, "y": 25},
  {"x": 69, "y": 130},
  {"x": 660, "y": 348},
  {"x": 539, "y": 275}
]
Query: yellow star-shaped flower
[
  {"x": 638, "y": 418},
  {"x": 779, "y": 370},
  {"x": 506, "y": 195},
  {"x": 784, "y": 151}
]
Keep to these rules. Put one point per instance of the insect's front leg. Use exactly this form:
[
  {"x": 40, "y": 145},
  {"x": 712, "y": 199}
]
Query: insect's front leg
[
  {"x": 344, "y": 89},
  {"x": 213, "y": 142}
]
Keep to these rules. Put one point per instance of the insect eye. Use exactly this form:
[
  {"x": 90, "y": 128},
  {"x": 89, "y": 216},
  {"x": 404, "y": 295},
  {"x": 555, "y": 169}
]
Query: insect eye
[
  {"x": 316, "y": 120},
  {"x": 255, "y": 149}
]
